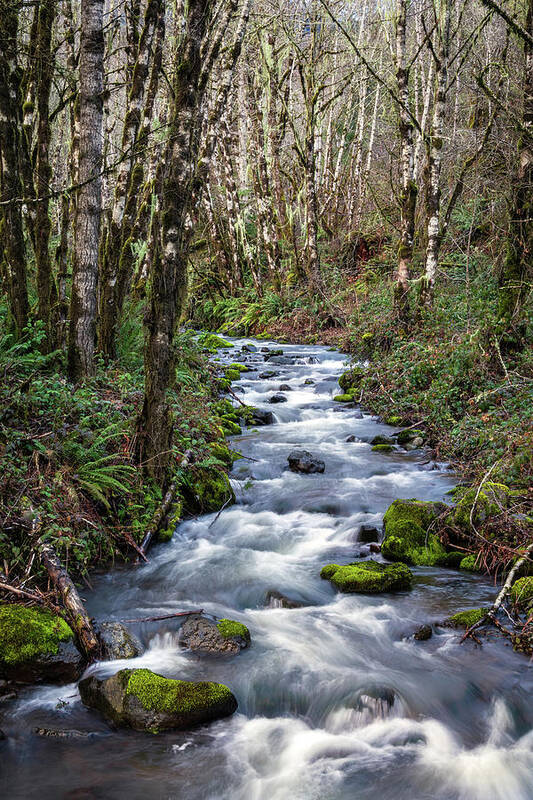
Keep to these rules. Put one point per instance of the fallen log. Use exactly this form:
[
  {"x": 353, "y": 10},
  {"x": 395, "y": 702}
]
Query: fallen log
[
  {"x": 78, "y": 617},
  {"x": 166, "y": 616},
  {"x": 163, "y": 509}
]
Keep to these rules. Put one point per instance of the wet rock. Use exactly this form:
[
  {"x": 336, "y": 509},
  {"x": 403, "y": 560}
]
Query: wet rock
[
  {"x": 382, "y": 440},
  {"x": 352, "y": 438},
  {"x": 409, "y": 535},
  {"x": 265, "y": 349},
  {"x": 309, "y": 382},
  {"x": 277, "y": 398},
  {"x": 146, "y": 701},
  {"x": 312, "y": 360},
  {"x": 226, "y": 637},
  {"x": 303, "y": 461},
  {"x": 368, "y": 577},
  {"x": 268, "y": 374},
  {"x": 368, "y": 533},
  {"x": 285, "y": 387},
  {"x": 37, "y": 645},
  {"x": 378, "y": 700},
  {"x": 409, "y": 436},
  {"x": 282, "y": 360},
  {"x": 260, "y": 417},
  {"x": 116, "y": 641},
  {"x": 249, "y": 348},
  {"x": 274, "y": 353},
  {"x": 276, "y": 599},
  {"x": 358, "y": 414},
  {"x": 375, "y": 548},
  {"x": 423, "y": 633}
]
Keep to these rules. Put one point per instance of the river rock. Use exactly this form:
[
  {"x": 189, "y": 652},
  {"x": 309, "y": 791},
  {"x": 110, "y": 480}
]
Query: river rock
[
  {"x": 260, "y": 417},
  {"x": 277, "y": 398},
  {"x": 268, "y": 374},
  {"x": 423, "y": 633},
  {"x": 249, "y": 348},
  {"x": 382, "y": 440},
  {"x": 146, "y": 701},
  {"x": 281, "y": 361},
  {"x": 37, "y": 645},
  {"x": 285, "y": 387},
  {"x": 368, "y": 577},
  {"x": 116, "y": 641},
  {"x": 375, "y": 547},
  {"x": 352, "y": 438},
  {"x": 309, "y": 382},
  {"x": 303, "y": 461},
  {"x": 275, "y": 599},
  {"x": 368, "y": 533},
  {"x": 226, "y": 637},
  {"x": 377, "y": 701}
]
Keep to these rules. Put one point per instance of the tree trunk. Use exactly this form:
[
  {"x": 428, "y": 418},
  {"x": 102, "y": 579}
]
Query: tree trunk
[
  {"x": 89, "y": 200},
  {"x": 11, "y": 190}
]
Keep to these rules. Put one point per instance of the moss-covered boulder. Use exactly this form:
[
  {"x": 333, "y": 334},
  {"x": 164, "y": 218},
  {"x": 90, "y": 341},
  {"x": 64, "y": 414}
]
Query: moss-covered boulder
[
  {"x": 410, "y": 435},
  {"x": 382, "y": 440},
  {"x": 477, "y": 506},
  {"x": 470, "y": 563},
  {"x": 212, "y": 342},
  {"x": 522, "y": 591},
  {"x": 343, "y": 398},
  {"x": 368, "y": 577},
  {"x": 37, "y": 645},
  {"x": 222, "y": 453},
  {"x": 451, "y": 559},
  {"x": 351, "y": 379},
  {"x": 407, "y": 536},
  {"x": 208, "y": 490},
  {"x": 146, "y": 701},
  {"x": 239, "y": 367},
  {"x": 382, "y": 448},
  {"x": 465, "y": 619},
  {"x": 232, "y": 374},
  {"x": 225, "y": 637}
]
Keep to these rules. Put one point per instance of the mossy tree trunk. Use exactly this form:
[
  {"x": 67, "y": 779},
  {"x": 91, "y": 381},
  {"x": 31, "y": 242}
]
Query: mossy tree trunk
[
  {"x": 89, "y": 200},
  {"x": 169, "y": 265}
]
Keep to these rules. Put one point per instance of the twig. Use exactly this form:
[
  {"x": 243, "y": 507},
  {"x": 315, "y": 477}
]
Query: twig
[
  {"x": 238, "y": 399},
  {"x": 6, "y": 587},
  {"x": 219, "y": 513},
  {"x": 165, "y": 616}
]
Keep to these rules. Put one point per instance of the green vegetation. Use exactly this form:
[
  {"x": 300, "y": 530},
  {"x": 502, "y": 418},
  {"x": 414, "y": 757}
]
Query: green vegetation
[
  {"x": 369, "y": 577},
  {"x": 522, "y": 590},
  {"x": 156, "y": 693},
  {"x": 465, "y": 619},
  {"x": 408, "y": 537},
  {"x": 27, "y": 633},
  {"x": 229, "y": 629}
]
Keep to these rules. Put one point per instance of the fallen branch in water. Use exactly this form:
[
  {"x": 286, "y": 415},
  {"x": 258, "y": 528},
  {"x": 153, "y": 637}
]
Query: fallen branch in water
[
  {"x": 238, "y": 399},
  {"x": 78, "y": 617},
  {"x": 165, "y": 616},
  {"x": 220, "y": 512}
]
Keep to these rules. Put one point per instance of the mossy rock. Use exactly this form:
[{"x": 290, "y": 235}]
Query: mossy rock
[
  {"x": 232, "y": 374},
  {"x": 230, "y": 428},
  {"x": 166, "y": 533},
  {"x": 382, "y": 448},
  {"x": 465, "y": 619},
  {"x": 479, "y": 506},
  {"x": 407, "y": 536},
  {"x": 469, "y": 564},
  {"x": 225, "y": 637},
  {"x": 343, "y": 398},
  {"x": 239, "y": 367},
  {"x": 221, "y": 451},
  {"x": 382, "y": 440},
  {"x": 404, "y": 437},
  {"x": 522, "y": 591},
  {"x": 451, "y": 559},
  {"x": 368, "y": 577},
  {"x": 212, "y": 342},
  {"x": 351, "y": 379},
  {"x": 210, "y": 491},
  {"x": 116, "y": 641},
  {"x": 37, "y": 645},
  {"x": 146, "y": 701},
  {"x": 393, "y": 420}
]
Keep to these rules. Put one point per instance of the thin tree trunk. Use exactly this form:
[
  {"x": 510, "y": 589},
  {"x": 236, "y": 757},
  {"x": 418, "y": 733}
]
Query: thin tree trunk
[{"x": 89, "y": 201}]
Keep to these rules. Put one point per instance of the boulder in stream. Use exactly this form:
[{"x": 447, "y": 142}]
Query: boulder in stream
[
  {"x": 423, "y": 633},
  {"x": 146, "y": 701},
  {"x": 116, "y": 641},
  {"x": 409, "y": 536},
  {"x": 249, "y": 348},
  {"x": 277, "y": 398},
  {"x": 225, "y": 637},
  {"x": 37, "y": 645},
  {"x": 275, "y": 599},
  {"x": 368, "y": 577},
  {"x": 303, "y": 461},
  {"x": 260, "y": 417},
  {"x": 285, "y": 387},
  {"x": 368, "y": 533}
]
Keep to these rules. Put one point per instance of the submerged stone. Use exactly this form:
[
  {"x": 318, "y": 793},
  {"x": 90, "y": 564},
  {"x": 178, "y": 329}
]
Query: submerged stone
[
  {"x": 275, "y": 599},
  {"x": 146, "y": 701},
  {"x": 368, "y": 577},
  {"x": 423, "y": 633},
  {"x": 37, "y": 645}
]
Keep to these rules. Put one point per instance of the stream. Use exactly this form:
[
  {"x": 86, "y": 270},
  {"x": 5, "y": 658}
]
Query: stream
[{"x": 337, "y": 701}]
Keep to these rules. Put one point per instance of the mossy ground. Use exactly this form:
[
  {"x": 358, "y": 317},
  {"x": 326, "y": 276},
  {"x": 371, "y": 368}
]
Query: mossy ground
[
  {"x": 26, "y": 633},
  {"x": 368, "y": 577},
  {"x": 156, "y": 693},
  {"x": 522, "y": 590}
]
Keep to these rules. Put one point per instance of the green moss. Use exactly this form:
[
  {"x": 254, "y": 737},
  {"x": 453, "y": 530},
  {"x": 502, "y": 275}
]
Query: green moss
[
  {"x": 239, "y": 367},
  {"x": 351, "y": 379},
  {"x": 232, "y": 374},
  {"x": 229, "y": 629},
  {"x": 343, "y": 398},
  {"x": 465, "y": 619},
  {"x": 166, "y": 534},
  {"x": 368, "y": 577},
  {"x": 231, "y": 428},
  {"x": 26, "y": 633},
  {"x": 479, "y": 506},
  {"x": 212, "y": 342},
  {"x": 522, "y": 590},
  {"x": 221, "y": 451},
  {"x": 156, "y": 693},
  {"x": 407, "y": 538},
  {"x": 382, "y": 448},
  {"x": 452, "y": 559},
  {"x": 404, "y": 437},
  {"x": 393, "y": 420},
  {"x": 382, "y": 440},
  {"x": 469, "y": 563},
  {"x": 211, "y": 489}
]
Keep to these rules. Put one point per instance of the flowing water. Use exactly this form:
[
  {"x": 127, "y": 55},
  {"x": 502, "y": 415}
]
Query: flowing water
[{"x": 337, "y": 701}]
